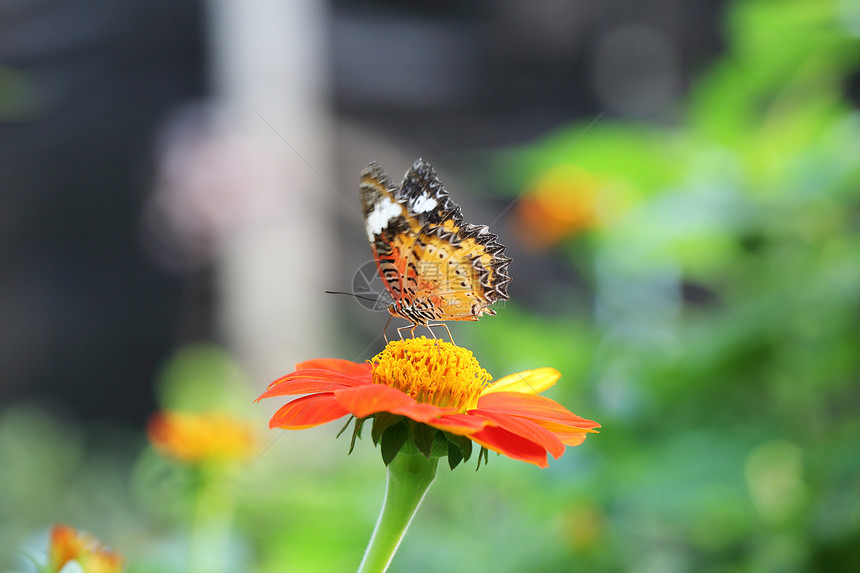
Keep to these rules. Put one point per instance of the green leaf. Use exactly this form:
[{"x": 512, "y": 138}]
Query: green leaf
[
  {"x": 392, "y": 440},
  {"x": 648, "y": 157}
]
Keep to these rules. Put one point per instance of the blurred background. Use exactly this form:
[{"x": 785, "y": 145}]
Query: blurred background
[{"x": 678, "y": 184}]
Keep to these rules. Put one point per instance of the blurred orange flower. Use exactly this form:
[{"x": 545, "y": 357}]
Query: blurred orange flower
[
  {"x": 211, "y": 436},
  {"x": 433, "y": 385},
  {"x": 68, "y": 544},
  {"x": 584, "y": 525},
  {"x": 562, "y": 203}
]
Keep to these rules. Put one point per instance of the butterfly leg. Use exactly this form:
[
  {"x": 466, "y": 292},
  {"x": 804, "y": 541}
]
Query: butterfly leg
[
  {"x": 410, "y": 327},
  {"x": 386, "y": 328},
  {"x": 443, "y": 325},
  {"x": 435, "y": 339}
]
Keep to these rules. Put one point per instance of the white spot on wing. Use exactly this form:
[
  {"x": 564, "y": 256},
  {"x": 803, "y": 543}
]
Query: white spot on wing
[
  {"x": 423, "y": 204},
  {"x": 382, "y": 213}
]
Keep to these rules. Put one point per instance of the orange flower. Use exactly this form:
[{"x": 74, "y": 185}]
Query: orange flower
[
  {"x": 562, "y": 203},
  {"x": 417, "y": 386},
  {"x": 201, "y": 437},
  {"x": 68, "y": 544}
]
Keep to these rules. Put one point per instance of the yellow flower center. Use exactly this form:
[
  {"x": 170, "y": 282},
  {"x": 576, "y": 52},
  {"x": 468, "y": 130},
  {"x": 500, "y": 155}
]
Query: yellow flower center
[{"x": 431, "y": 371}]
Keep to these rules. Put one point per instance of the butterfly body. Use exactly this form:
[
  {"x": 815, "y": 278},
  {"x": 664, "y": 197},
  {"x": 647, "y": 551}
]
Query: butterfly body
[{"x": 435, "y": 266}]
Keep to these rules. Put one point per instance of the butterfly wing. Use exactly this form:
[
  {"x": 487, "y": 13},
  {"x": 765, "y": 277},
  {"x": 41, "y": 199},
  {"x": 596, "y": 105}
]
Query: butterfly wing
[
  {"x": 462, "y": 270},
  {"x": 389, "y": 226},
  {"x": 433, "y": 264}
]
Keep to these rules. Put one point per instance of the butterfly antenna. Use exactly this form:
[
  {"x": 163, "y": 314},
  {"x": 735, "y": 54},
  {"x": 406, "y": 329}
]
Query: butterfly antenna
[{"x": 353, "y": 294}]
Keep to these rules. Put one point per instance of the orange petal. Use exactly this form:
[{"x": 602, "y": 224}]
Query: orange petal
[
  {"x": 558, "y": 428},
  {"x": 533, "y": 407},
  {"x": 421, "y": 412},
  {"x": 301, "y": 383},
  {"x": 322, "y": 375},
  {"x": 65, "y": 545},
  {"x": 459, "y": 424},
  {"x": 507, "y": 443},
  {"x": 525, "y": 429},
  {"x": 307, "y": 412},
  {"x": 572, "y": 438},
  {"x": 362, "y": 401},
  {"x": 356, "y": 369},
  {"x": 528, "y": 381}
]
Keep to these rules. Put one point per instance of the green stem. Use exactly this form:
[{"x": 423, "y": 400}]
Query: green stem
[
  {"x": 212, "y": 522},
  {"x": 409, "y": 478}
]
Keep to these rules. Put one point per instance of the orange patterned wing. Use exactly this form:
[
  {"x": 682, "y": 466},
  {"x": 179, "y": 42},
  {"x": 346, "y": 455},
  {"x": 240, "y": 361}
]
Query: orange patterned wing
[{"x": 435, "y": 266}]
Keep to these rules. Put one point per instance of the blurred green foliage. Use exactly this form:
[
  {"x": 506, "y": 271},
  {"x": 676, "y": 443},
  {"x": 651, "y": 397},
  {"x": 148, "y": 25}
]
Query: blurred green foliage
[
  {"x": 717, "y": 328},
  {"x": 713, "y": 328}
]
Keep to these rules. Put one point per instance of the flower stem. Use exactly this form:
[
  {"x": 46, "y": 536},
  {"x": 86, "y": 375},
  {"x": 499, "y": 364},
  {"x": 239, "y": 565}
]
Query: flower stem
[
  {"x": 409, "y": 478},
  {"x": 212, "y": 523}
]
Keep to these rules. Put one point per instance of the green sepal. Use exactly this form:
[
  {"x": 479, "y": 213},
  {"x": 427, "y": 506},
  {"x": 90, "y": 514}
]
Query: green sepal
[
  {"x": 392, "y": 440},
  {"x": 345, "y": 426},
  {"x": 440, "y": 445},
  {"x": 455, "y": 456},
  {"x": 356, "y": 433},
  {"x": 484, "y": 455},
  {"x": 381, "y": 422},
  {"x": 463, "y": 444},
  {"x": 422, "y": 436}
]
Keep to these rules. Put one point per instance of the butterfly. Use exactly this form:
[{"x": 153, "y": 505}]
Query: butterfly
[{"x": 434, "y": 266}]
